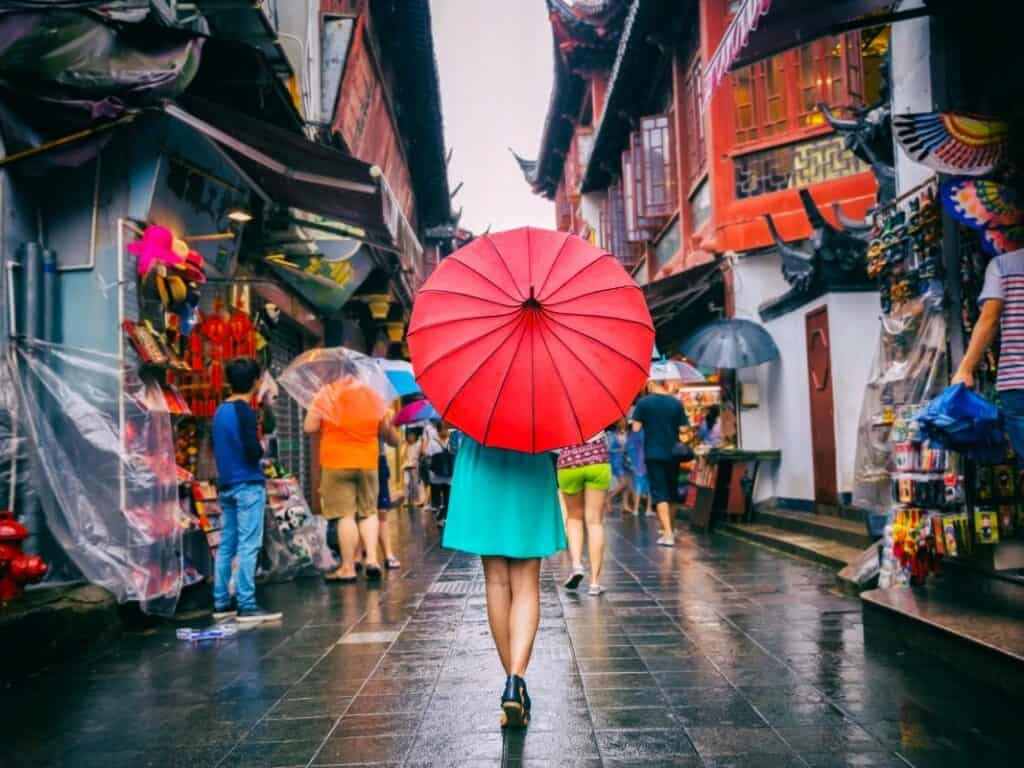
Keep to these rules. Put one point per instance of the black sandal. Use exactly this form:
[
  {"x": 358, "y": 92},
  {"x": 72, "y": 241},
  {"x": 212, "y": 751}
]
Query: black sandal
[
  {"x": 373, "y": 573},
  {"x": 515, "y": 703},
  {"x": 331, "y": 578}
]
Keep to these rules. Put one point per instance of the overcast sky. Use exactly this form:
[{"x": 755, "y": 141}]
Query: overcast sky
[{"x": 494, "y": 58}]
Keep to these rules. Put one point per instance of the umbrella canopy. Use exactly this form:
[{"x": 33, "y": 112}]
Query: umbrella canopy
[
  {"x": 319, "y": 379},
  {"x": 416, "y": 412},
  {"x": 732, "y": 343},
  {"x": 400, "y": 374},
  {"x": 530, "y": 340},
  {"x": 674, "y": 370}
]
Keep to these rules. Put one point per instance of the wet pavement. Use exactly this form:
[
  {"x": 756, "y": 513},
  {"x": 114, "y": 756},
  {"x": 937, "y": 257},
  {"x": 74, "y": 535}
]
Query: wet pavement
[{"x": 718, "y": 653}]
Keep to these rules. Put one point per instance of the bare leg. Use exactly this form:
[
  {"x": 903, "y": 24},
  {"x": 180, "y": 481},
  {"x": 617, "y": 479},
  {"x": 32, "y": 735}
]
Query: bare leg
[
  {"x": 369, "y": 529},
  {"x": 385, "y": 534},
  {"x": 665, "y": 518},
  {"x": 524, "y": 616},
  {"x": 348, "y": 542},
  {"x": 595, "y": 531},
  {"x": 574, "y": 514},
  {"x": 499, "y": 604}
]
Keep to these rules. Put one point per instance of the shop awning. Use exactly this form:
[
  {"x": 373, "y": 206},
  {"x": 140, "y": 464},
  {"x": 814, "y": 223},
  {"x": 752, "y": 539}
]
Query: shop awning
[
  {"x": 323, "y": 282},
  {"x": 670, "y": 296},
  {"x": 291, "y": 171},
  {"x": 762, "y": 28}
]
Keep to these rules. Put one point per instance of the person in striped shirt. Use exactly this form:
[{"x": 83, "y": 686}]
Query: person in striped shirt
[{"x": 1002, "y": 313}]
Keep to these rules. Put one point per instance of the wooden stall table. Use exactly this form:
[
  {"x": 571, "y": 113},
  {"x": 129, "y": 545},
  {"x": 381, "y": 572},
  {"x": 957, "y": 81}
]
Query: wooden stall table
[{"x": 715, "y": 479}]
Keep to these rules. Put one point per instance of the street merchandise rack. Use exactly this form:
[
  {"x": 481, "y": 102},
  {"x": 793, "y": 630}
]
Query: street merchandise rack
[{"x": 938, "y": 504}]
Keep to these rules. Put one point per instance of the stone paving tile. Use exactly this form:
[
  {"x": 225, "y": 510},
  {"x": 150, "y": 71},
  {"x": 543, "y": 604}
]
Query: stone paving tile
[{"x": 716, "y": 653}]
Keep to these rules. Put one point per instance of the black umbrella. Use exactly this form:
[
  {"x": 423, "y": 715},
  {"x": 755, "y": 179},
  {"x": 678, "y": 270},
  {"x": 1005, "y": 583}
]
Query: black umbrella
[{"x": 731, "y": 343}]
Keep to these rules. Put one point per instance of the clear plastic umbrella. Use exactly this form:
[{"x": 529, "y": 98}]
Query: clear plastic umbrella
[
  {"x": 675, "y": 370},
  {"x": 320, "y": 380}
]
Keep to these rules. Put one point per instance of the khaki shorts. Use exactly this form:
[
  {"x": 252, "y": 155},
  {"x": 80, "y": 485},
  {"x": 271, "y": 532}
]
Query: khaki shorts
[{"x": 348, "y": 493}]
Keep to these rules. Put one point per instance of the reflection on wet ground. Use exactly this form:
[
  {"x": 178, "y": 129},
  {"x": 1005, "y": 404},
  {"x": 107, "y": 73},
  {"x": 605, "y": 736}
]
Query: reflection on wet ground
[{"x": 717, "y": 653}]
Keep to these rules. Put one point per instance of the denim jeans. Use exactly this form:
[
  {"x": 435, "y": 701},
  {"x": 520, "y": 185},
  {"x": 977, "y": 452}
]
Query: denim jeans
[
  {"x": 241, "y": 509},
  {"x": 1012, "y": 403}
]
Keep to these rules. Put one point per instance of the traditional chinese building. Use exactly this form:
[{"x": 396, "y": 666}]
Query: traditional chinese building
[{"x": 726, "y": 192}]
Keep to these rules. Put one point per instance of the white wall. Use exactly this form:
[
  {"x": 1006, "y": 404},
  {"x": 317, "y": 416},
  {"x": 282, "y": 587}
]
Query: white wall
[
  {"x": 783, "y": 419},
  {"x": 911, "y": 85}
]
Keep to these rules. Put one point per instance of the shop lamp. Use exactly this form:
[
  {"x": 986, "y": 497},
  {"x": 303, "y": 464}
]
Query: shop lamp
[
  {"x": 396, "y": 330},
  {"x": 379, "y": 304},
  {"x": 239, "y": 216}
]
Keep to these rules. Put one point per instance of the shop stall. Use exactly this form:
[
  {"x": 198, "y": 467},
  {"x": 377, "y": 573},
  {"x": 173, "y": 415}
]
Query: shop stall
[{"x": 934, "y": 501}]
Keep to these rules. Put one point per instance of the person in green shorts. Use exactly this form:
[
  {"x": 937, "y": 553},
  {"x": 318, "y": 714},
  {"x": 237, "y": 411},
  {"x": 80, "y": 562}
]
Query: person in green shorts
[
  {"x": 504, "y": 507},
  {"x": 584, "y": 476}
]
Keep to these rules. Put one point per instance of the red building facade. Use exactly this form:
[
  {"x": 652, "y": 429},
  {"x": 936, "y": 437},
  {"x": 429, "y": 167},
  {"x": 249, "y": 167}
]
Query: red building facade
[{"x": 665, "y": 176}]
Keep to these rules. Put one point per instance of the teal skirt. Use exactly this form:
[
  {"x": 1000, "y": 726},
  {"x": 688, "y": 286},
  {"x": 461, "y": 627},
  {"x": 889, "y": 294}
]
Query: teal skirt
[{"x": 503, "y": 503}]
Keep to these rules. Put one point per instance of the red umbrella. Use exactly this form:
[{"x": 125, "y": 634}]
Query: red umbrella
[{"x": 530, "y": 340}]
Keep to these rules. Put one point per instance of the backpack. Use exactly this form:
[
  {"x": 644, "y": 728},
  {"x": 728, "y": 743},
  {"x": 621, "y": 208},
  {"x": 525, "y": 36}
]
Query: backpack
[{"x": 442, "y": 464}]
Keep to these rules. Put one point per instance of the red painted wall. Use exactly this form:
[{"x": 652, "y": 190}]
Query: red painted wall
[{"x": 365, "y": 117}]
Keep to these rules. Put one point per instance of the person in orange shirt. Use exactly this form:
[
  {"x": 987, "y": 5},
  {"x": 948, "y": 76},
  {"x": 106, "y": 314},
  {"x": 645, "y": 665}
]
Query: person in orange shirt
[{"x": 350, "y": 419}]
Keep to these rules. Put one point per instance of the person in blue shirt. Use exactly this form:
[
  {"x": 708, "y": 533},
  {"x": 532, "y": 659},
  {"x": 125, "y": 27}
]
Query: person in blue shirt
[
  {"x": 242, "y": 496},
  {"x": 661, "y": 416}
]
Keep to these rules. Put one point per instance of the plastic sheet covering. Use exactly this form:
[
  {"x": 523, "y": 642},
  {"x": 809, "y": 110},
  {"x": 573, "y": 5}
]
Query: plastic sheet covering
[
  {"x": 910, "y": 368},
  {"x": 107, "y": 461},
  {"x": 294, "y": 540},
  {"x": 318, "y": 378}
]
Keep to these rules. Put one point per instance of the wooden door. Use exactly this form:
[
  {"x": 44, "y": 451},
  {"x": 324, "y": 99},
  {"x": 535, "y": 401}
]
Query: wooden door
[{"x": 823, "y": 430}]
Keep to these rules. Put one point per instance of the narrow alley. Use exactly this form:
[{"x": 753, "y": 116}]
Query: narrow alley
[{"x": 717, "y": 653}]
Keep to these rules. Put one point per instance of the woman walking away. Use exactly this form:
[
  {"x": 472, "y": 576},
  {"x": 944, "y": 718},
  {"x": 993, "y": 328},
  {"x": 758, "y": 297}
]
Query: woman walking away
[
  {"x": 349, "y": 460},
  {"x": 622, "y": 469},
  {"x": 504, "y": 507},
  {"x": 584, "y": 476},
  {"x": 442, "y": 463}
]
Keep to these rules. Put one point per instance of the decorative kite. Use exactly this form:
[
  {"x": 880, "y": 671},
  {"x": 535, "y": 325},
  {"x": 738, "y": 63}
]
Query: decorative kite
[
  {"x": 989, "y": 207},
  {"x": 952, "y": 143}
]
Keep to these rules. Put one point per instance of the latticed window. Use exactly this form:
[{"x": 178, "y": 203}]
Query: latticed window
[
  {"x": 696, "y": 141},
  {"x": 843, "y": 71},
  {"x": 654, "y": 168},
  {"x": 634, "y": 234},
  {"x": 613, "y": 224},
  {"x": 830, "y": 71},
  {"x": 771, "y": 79}
]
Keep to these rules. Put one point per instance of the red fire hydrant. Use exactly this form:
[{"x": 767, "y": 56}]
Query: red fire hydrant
[{"x": 16, "y": 568}]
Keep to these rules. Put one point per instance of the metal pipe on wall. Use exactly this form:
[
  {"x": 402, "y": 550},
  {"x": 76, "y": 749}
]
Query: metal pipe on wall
[
  {"x": 32, "y": 290},
  {"x": 29, "y": 510},
  {"x": 49, "y": 296}
]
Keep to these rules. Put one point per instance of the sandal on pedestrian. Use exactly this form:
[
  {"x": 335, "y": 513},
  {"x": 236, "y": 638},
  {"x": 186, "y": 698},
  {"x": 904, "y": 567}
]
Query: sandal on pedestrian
[
  {"x": 515, "y": 703},
  {"x": 596, "y": 590},
  {"x": 373, "y": 572},
  {"x": 667, "y": 540},
  {"x": 334, "y": 577},
  {"x": 391, "y": 563}
]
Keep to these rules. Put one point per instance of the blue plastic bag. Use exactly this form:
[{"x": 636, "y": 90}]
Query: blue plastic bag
[{"x": 961, "y": 420}]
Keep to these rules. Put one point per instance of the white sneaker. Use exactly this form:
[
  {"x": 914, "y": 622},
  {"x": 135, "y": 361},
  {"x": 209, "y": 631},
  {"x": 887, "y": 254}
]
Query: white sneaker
[
  {"x": 595, "y": 590},
  {"x": 649, "y": 513},
  {"x": 667, "y": 540}
]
